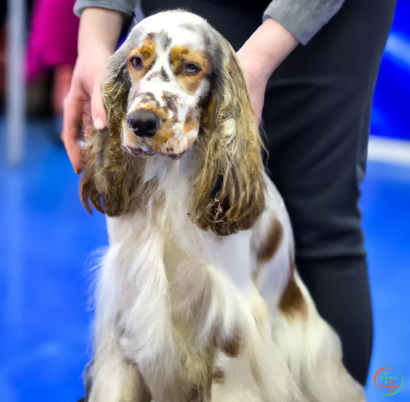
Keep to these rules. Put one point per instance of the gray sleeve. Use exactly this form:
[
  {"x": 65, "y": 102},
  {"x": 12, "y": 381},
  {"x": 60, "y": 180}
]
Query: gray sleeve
[
  {"x": 303, "y": 18},
  {"x": 123, "y": 6}
]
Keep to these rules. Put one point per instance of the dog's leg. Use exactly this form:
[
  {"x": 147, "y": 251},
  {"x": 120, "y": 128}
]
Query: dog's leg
[
  {"x": 134, "y": 288},
  {"x": 313, "y": 349},
  {"x": 180, "y": 367},
  {"x": 114, "y": 379}
]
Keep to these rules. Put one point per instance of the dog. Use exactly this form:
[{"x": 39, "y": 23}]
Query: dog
[{"x": 198, "y": 297}]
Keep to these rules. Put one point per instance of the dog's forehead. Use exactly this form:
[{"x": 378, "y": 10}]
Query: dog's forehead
[{"x": 169, "y": 29}]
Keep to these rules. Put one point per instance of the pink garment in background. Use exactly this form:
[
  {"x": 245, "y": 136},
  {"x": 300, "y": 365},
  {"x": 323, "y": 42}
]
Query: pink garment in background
[{"x": 53, "y": 36}]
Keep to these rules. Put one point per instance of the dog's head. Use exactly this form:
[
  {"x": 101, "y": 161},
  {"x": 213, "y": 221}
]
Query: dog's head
[
  {"x": 176, "y": 82},
  {"x": 168, "y": 61}
]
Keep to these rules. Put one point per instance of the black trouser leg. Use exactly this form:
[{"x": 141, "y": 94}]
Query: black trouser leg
[{"x": 317, "y": 115}]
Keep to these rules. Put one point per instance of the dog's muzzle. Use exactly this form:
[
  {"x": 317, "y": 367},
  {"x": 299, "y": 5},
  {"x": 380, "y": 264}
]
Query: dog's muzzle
[{"x": 143, "y": 122}]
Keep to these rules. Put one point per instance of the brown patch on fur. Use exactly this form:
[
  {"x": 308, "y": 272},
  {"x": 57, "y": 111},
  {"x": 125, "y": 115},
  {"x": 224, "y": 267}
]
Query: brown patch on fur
[
  {"x": 270, "y": 244},
  {"x": 181, "y": 55},
  {"x": 230, "y": 147},
  {"x": 164, "y": 133},
  {"x": 194, "y": 395},
  {"x": 190, "y": 124},
  {"x": 235, "y": 344},
  {"x": 171, "y": 102},
  {"x": 161, "y": 112},
  {"x": 146, "y": 51},
  {"x": 292, "y": 301},
  {"x": 218, "y": 376}
]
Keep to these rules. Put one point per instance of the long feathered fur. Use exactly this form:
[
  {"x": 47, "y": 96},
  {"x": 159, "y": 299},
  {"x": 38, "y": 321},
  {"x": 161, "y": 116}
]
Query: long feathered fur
[
  {"x": 113, "y": 180},
  {"x": 230, "y": 147}
]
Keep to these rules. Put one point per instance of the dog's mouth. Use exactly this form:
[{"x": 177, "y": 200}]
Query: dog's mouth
[
  {"x": 139, "y": 151},
  {"x": 170, "y": 144},
  {"x": 142, "y": 151}
]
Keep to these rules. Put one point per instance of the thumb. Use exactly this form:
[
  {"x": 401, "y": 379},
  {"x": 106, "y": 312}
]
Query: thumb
[
  {"x": 73, "y": 107},
  {"x": 98, "y": 110}
]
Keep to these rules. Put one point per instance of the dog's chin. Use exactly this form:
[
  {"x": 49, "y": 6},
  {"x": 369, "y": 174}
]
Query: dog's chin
[{"x": 146, "y": 152}]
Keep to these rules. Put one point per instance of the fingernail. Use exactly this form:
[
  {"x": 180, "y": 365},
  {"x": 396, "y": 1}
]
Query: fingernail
[{"x": 98, "y": 123}]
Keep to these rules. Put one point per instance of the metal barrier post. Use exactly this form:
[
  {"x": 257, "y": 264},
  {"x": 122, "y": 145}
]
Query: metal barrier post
[{"x": 16, "y": 95}]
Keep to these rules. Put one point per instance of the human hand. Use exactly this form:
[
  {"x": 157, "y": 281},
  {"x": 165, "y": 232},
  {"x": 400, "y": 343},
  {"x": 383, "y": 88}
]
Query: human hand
[
  {"x": 261, "y": 55},
  {"x": 99, "y": 31},
  {"x": 84, "y": 97}
]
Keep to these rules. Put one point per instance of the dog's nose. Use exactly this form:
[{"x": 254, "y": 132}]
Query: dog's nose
[{"x": 144, "y": 123}]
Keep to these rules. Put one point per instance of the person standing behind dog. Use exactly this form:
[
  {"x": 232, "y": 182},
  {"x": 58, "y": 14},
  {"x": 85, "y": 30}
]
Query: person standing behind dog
[{"x": 311, "y": 67}]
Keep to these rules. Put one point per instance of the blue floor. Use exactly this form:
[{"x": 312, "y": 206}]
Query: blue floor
[{"x": 46, "y": 237}]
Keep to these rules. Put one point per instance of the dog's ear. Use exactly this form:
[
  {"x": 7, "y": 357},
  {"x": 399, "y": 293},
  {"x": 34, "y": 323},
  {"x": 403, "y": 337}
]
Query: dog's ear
[
  {"x": 112, "y": 177},
  {"x": 229, "y": 185},
  {"x": 115, "y": 90}
]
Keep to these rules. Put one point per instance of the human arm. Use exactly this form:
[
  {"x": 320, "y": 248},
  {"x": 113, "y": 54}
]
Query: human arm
[
  {"x": 126, "y": 7},
  {"x": 98, "y": 36},
  {"x": 262, "y": 53},
  {"x": 286, "y": 24}
]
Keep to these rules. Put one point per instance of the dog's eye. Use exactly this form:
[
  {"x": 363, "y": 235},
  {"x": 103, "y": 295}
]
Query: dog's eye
[
  {"x": 191, "y": 68},
  {"x": 136, "y": 63}
]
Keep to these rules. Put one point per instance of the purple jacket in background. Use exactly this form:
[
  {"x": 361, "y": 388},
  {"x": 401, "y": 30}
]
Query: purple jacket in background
[{"x": 53, "y": 36}]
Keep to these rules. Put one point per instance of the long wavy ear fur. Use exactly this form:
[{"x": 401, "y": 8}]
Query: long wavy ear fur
[
  {"x": 113, "y": 179},
  {"x": 229, "y": 186}
]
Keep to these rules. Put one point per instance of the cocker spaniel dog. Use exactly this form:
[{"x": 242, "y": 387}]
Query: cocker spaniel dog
[{"x": 197, "y": 298}]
